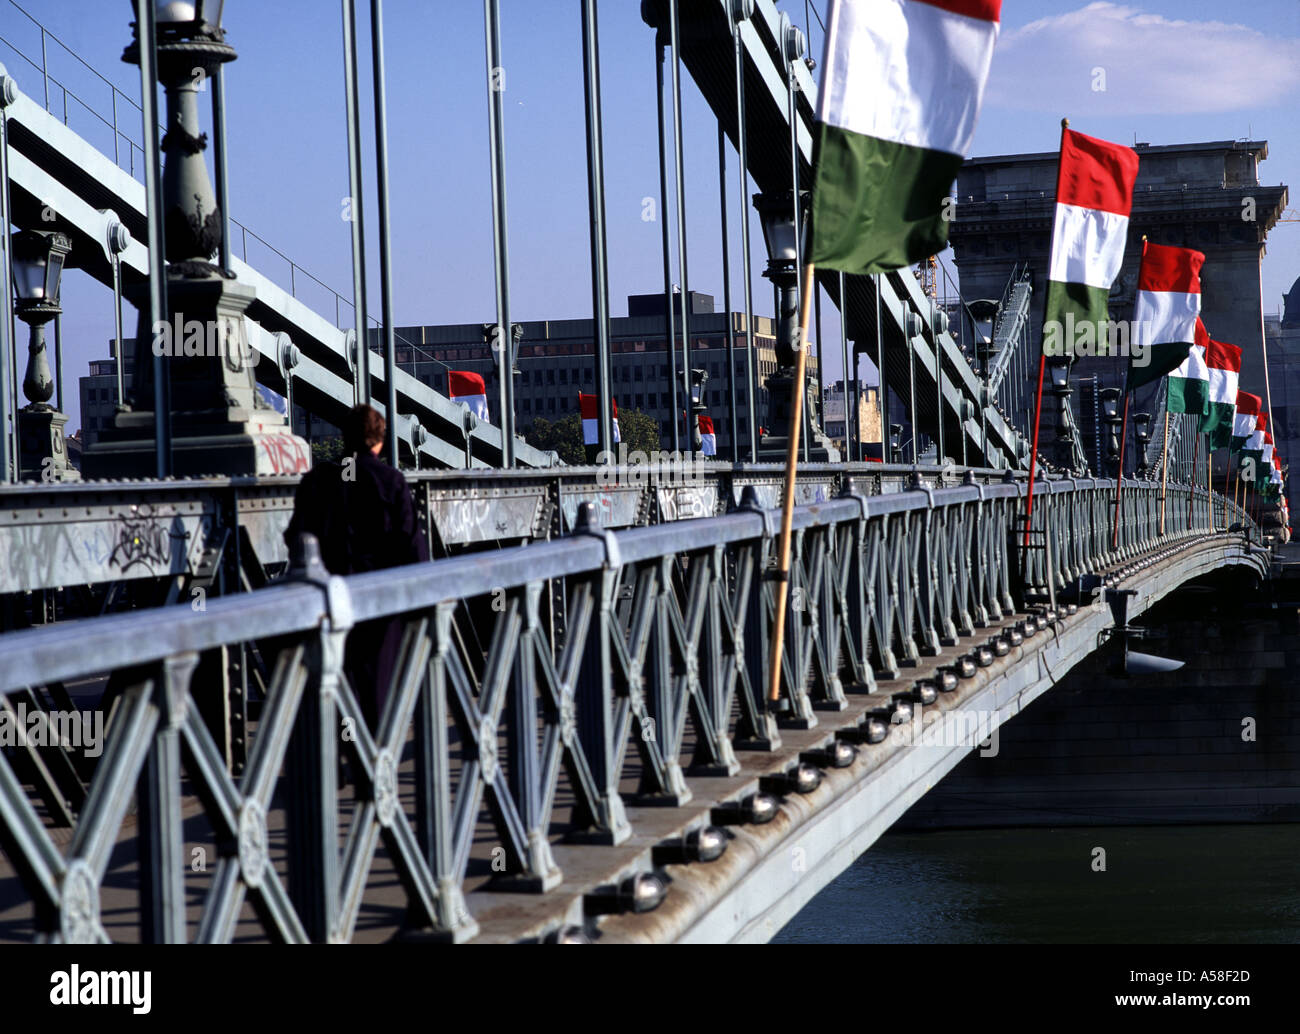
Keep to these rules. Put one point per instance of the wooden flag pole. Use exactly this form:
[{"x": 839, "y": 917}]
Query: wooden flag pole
[
  {"x": 787, "y": 499},
  {"x": 1164, "y": 464},
  {"x": 1042, "y": 360},
  {"x": 1209, "y": 481},
  {"x": 1119, "y": 476}
]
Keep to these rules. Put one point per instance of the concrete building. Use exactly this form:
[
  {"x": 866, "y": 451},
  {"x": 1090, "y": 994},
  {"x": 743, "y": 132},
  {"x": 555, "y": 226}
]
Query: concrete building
[
  {"x": 868, "y": 417},
  {"x": 556, "y": 361},
  {"x": 1206, "y": 196},
  {"x": 98, "y": 391}
]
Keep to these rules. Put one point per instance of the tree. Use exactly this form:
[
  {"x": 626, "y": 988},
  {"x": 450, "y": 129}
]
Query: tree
[
  {"x": 638, "y": 430},
  {"x": 326, "y": 449},
  {"x": 563, "y": 436}
]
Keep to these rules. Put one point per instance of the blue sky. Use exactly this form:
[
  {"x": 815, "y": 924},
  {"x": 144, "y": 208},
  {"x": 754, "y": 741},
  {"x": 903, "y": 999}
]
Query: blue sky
[{"x": 1175, "y": 71}]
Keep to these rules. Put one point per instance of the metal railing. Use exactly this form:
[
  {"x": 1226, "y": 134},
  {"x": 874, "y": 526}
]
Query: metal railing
[{"x": 512, "y": 667}]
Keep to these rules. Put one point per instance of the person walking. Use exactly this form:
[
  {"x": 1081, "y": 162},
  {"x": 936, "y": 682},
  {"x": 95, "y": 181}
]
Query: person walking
[{"x": 361, "y": 511}]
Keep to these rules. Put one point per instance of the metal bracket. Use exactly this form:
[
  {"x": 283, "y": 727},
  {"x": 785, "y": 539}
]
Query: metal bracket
[
  {"x": 587, "y": 522},
  {"x": 749, "y": 504}
]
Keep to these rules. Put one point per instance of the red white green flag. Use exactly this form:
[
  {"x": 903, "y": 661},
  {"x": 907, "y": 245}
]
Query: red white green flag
[
  {"x": 708, "y": 438},
  {"x": 1243, "y": 425},
  {"x": 1094, "y": 195},
  {"x": 467, "y": 388},
  {"x": 1223, "y": 363},
  {"x": 590, "y": 410},
  {"x": 901, "y": 89},
  {"x": 1189, "y": 383},
  {"x": 1165, "y": 310}
]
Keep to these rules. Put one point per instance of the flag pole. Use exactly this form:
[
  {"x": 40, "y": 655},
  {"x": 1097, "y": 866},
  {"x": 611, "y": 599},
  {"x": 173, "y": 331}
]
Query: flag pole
[
  {"x": 1209, "y": 482},
  {"x": 1164, "y": 463},
  {"x": 1119, "y": 475},
  {"x": 787, "y": 499},
  {"x": 1042, "y": 358}
]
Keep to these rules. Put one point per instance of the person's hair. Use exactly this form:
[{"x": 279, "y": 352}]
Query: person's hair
[{"x": 363, "y": 429}]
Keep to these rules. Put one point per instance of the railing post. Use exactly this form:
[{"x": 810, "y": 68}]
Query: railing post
[
  {"x": 161, "y": 832},
  {"x": 434, "y": 804},
  {"x": 757, "y": 728},
  {"x": 312, "y": 762}
]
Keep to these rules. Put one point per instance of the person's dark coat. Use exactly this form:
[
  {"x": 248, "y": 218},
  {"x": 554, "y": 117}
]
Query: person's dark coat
[{"x": 362, "y": 513}]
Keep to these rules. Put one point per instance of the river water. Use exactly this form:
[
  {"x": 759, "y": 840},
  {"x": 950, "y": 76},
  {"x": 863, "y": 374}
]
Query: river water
[{"x": 1161, "y": 884}]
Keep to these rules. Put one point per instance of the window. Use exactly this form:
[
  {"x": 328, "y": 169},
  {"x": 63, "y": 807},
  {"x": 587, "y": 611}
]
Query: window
[{"x": 550, "y": 375}]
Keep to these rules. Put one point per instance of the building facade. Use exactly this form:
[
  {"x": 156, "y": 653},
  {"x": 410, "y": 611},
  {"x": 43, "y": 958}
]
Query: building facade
[
  {"x": 556, "y": 361},
  {"x": 98, "y": 391},
  {"x": 867, "y": 420}
]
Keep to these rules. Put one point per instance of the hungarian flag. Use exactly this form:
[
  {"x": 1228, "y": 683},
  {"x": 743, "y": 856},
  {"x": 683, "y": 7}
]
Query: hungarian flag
[
  {"x": 1223, "y": 362},
  {"x": 1094, "y": 195},
  {"x": 1189, "y": 383},
  {"x": 1243, "y": 424},
  {"x": 1252, "y": 453},
  {"x": 468, "y": 388},
  {"x": 708, "y": 440},
  {"x": 1165, "y": 311},
  {"x": 591, "y": 419},
  {"x": 901, "y": 90}
]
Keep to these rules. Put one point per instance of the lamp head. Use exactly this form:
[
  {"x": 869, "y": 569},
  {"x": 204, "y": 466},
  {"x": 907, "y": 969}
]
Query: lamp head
[
  {"x": 38, "y": 260},
  {"x": 197, "y": 12},
  {"x": 776, "y": 213},
  {"x": 1110, "y": 403},
  {"x": 1060, "y": 372}
]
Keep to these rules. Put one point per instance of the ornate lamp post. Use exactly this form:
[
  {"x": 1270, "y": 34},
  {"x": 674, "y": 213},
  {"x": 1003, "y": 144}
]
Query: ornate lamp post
[
  {"x": 1142, "y": 434},
  {"x": 1110, "y": 414},
  {"x": 1060, "y": 373},
  {"x": 38, "y": 261},
  {"x": 895, "y": 443},
  {"x": 776, "y": 214},
  {"x": 220, "y": 423}
]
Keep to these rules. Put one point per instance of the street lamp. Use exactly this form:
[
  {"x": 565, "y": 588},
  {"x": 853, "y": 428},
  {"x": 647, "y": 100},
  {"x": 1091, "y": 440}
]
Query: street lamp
[
  {"x": 38, "y": 261},
  {"x": 1060, "y": 372},
  {"x": 776, "y": 213},
  {"x": 787, "y": 242},
  {"x": 698, "y": 377},
  {"x": 895, "y": 443},
  {"x": 1110, "y": 413},
  {"x": 1142, "y": 432},
  {"x": 218, "y": 421},
  {"x": 202, "y": 17}
]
